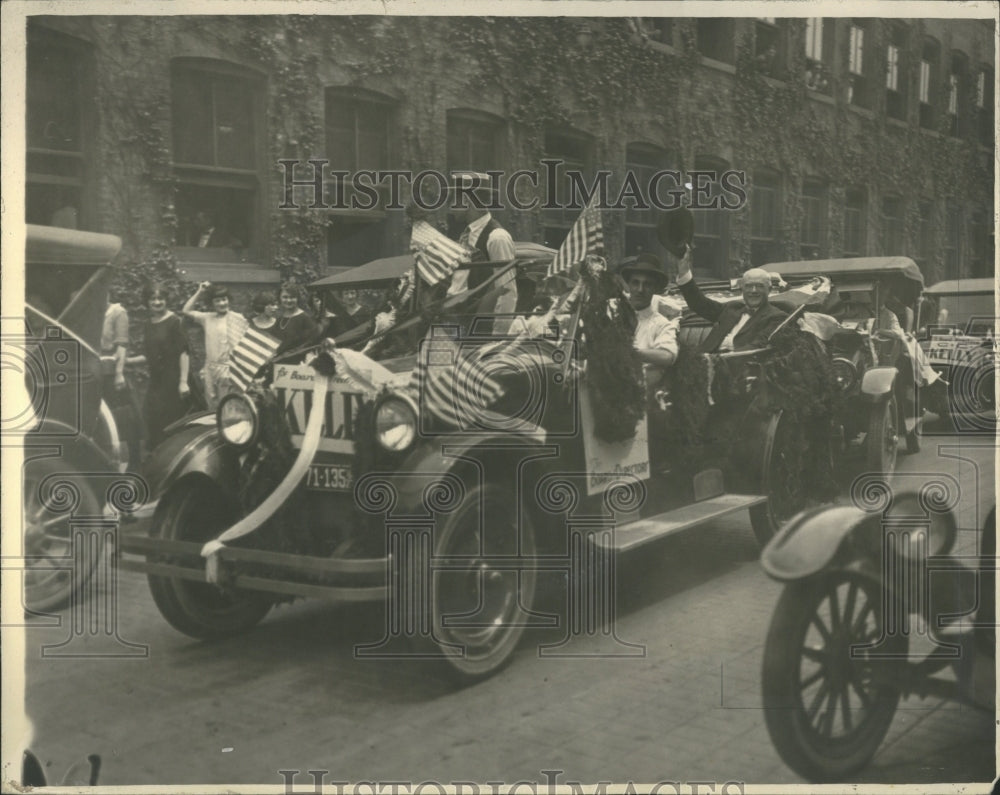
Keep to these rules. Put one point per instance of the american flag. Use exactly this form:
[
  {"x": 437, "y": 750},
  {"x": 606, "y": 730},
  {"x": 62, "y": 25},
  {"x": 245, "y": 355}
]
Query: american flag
[
  {"x": 451, "y": 383},
  {"x": 586, "y": 237},
  {"x": 436, "y": 255},
  {"x": 249, "y": 355}
]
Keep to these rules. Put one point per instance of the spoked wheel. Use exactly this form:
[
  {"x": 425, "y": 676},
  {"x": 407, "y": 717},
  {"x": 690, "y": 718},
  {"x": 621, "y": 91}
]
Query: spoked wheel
[
  {"x": 196, "y": 511},
  {"x": 477, "y": 602},
  {"x": 56, "y": 569},
  {"x": 882, "y": 442},
  {"x": 829, "y": 696},
  {"x": 782, "y": 482}
]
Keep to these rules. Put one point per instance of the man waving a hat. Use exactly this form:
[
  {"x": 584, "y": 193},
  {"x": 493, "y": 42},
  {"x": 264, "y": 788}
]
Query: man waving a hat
[{"x": 738, "y": 325}]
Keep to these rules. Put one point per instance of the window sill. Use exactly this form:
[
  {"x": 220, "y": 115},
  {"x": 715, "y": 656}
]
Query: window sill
[
  {"x": 863, "y": 112},
  {"x": 719, "y": 66},
  {"x": 930, "y": 132},
  {"x": 659, "y": 46},
  {"x": 892, "y": 121},
  {"x": 819, "y": 96}
]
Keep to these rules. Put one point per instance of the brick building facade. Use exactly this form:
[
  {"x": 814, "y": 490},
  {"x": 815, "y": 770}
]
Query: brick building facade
[{"x": 857, "y": 136}]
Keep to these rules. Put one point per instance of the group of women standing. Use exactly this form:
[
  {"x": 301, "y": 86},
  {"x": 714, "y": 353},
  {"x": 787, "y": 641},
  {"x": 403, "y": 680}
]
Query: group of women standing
[{"x": 167, "y": 350}]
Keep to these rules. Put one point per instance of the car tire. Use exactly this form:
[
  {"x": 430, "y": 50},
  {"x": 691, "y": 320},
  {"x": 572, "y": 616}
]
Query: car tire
[
  {"x": 781, "y": 478},
  {"x": 196, "y": 511},
  {"x": 882, "y": 441},
  {"x": 57, "y": 571},
  {"x": 807, "y": 668},
  {"x": 472, "y": 611}
]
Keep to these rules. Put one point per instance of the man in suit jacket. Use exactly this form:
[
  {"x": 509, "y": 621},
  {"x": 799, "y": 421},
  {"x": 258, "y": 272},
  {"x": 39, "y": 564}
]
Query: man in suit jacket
[{"x": 738, "y": 326}]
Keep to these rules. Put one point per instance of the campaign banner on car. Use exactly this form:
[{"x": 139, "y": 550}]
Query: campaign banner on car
[
  {"x": 960, "y": 351},
  {"x": 347, "y": 393},
  {"x": 608, "y": 462}
]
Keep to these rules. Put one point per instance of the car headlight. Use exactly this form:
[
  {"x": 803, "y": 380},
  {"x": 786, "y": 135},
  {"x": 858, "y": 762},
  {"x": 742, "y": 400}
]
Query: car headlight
[
  {"x": 845, "y": 374},
  {"x": 396, "y": 423},
  {"x": 237, "y": 420}
]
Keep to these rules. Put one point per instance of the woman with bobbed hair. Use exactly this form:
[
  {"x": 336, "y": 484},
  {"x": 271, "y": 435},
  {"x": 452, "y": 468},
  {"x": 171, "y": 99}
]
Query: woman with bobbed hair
[
  {"x": 167, "y": 359},
  {"x": 294, "y": 327}
]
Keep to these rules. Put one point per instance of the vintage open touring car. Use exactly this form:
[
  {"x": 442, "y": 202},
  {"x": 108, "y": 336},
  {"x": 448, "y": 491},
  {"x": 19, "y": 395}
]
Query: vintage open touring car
[
  {"x": 872, "y": 352},
  {"x": 351, "y": 477}
]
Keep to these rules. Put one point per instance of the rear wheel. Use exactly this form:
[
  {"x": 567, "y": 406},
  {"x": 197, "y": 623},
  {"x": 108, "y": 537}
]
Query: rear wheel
[
  {"x": 828, "y": 700},
  {"x": 782, "y": 480},
  {"x": 882, "y": 441},
  {"x": 197, "y": 511},
  {"x": 57, "y": 566},
  {"x": 477, "y": 602}
]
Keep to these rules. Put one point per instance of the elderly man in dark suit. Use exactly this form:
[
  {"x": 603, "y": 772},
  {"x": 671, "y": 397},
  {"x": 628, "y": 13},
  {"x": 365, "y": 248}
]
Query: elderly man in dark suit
[{"x": 738, "y": 326}]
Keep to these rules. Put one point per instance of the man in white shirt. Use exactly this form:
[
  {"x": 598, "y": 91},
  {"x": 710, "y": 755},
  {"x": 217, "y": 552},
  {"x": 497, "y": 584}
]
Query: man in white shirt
[
  {"x": 655, "y": 337},
  {"x": 489, "y": 241}
]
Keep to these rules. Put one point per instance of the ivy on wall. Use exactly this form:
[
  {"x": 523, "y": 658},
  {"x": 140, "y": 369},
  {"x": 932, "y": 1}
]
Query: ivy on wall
[{"x": 593, "y": 75}]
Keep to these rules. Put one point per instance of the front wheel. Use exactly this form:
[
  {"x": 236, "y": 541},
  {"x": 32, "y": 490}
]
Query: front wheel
[
  {"x": 882, "y": 441},
  {"x": 782, "y": 481},
  {"x": 479, "y": 600},
  {"x": 829, "y": 696},
  {"x": 196, "y": 511}
]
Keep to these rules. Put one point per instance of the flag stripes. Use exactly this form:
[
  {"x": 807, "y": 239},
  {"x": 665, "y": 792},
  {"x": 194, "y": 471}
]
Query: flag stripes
[
  {"x": 452, "y": 384},
  {"x": 249, "y": 355},
  {"x": 436, "y": 255},
  {"x": 585, "y": 237}
]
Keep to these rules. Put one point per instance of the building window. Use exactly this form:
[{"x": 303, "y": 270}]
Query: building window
[
  {"x": 854, "y": 223},
  {"x": 984, "y": 106},
  {"x": 642, "y": 161},
  {"x": 892, "y": 226},
  {"x": 769, "y": 46},
  {"x": 857, "y": 82},
  {"x": 819, "y": 50},
  {"x": 576, "y": 151},
  {"x": 660, "y": 29},
  {"x": 895, "y": 74},
  {"x": 217, "y": 111},
  {"x": 957, "y": 96},
  {"x": 765, "y": 218},
  {"x": 953, "y": 241},
  {"x": 473, "y": 141},
  {"x": 812, "y": 234},
  {"x": 60, "y": 80},
  {"x": 715, "y": 39},
  {"x": 359, "y": 136},
  {"x": 710, "y": 259},
  {"x": 925, "y": 254},
  {"x": 928, "y": 78}
]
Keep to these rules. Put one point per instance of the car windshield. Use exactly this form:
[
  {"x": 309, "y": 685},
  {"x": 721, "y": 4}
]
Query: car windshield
[{"x": 959, "y": 310}]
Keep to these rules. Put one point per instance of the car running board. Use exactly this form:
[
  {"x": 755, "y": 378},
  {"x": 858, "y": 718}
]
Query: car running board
[{"x": 635, "y": 534}]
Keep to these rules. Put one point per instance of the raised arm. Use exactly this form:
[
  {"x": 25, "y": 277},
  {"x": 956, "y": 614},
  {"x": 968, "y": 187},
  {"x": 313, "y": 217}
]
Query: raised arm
[{"x": 696, "y": 300}]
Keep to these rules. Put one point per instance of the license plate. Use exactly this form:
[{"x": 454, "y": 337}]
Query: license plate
[{"x": 329, "y": 477}]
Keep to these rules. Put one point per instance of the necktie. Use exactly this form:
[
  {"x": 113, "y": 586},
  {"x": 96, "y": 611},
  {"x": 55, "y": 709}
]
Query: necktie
[{"x": 463, "y": 239}]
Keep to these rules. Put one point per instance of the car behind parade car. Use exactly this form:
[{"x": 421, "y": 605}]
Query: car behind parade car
[
  {"x": 443, "y": 463},
  {"x": 961, "y": 340}
]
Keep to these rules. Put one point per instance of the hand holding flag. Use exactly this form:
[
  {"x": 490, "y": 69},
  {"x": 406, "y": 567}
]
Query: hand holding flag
[{"x": 436, "y": 255}]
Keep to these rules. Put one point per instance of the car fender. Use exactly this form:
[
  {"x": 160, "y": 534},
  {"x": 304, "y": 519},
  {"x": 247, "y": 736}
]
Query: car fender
[
  {"x": 810, "y": 540},
  {"x": 877, "y": 382},
  {"x": 449, "y": 458},
  {"x": 192, "y": 450}
]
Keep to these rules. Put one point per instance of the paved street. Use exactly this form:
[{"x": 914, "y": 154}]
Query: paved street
[{"x": 290, "y": 695}]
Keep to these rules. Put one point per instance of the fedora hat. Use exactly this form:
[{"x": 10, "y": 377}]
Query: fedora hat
[
  {"x": 646, "y": 264},
  {"x": 676, "y": 230}
]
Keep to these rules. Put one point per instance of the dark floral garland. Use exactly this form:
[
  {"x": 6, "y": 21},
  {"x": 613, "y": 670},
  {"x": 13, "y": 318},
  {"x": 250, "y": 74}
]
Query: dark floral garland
[
  {"x": 799, "y": 380},
  {"x": 614, "y": 372}
]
